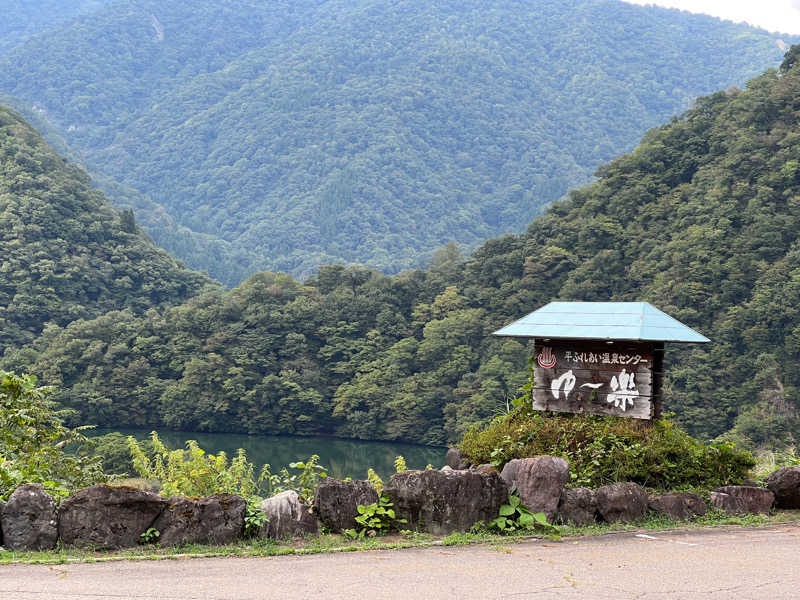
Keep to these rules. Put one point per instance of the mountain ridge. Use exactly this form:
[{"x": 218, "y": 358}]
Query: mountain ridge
[
  {"x": 330, "y": 131},
  {"x": 700, "y": 220}
]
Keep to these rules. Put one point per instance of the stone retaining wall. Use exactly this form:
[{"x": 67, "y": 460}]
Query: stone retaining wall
[{"x": 438, "y": 502}]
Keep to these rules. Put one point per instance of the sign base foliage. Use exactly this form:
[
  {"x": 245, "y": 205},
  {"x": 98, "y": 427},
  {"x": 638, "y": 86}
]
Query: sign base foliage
[{"x": 603, "y": 450}]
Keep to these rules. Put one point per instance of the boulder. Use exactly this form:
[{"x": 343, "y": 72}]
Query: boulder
[
  {"x": 336, "y": 502},
  {"x": 785, "y": 484},
  {"x": 105, "y": 517},
  {"x": 680, "y": 506},
  {"x": 740, "y": 499},
  {"x": 288, "y": 516},
  {"x": 509, "y": 472},
  {"x": 621, "y": 502},
  {"x": 217, "y": 519},
  {"x": 441, "y": 502},
  {"x": 577, "y": 506},
  {"x": 455, "y": 460},
  {"x": 29, "y": 520},
  {"x": 539, "y": 480}
]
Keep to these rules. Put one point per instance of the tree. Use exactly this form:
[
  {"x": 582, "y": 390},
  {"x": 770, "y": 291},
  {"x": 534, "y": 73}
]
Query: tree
[{"x": 33, "y": 441}]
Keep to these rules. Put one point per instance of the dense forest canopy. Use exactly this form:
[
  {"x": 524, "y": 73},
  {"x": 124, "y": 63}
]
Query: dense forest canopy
[
  {"x": 65, "y": 253},
  {"x": 288, "y": 134},
  {"x": 25, "y": 18},
  {"x": 701, "y": 220}
]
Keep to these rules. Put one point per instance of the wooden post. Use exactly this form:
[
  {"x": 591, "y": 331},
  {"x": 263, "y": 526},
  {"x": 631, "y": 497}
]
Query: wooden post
[{"x": 658, "y": 380}]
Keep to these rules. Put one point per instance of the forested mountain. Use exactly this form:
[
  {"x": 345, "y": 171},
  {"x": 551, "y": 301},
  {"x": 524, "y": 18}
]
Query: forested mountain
[
  {"x": 701, "y": 220},
  {"x": 288, "y": 134},
  {"x": 65, "y": 253},
  {"x": 22, "y": 19}
]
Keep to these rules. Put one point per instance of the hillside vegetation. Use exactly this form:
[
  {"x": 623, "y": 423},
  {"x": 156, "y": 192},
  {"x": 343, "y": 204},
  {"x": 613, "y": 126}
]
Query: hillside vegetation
[
  {"x": 701, "y": 220},
  {"x": 284, "y": 135},
  {"x": 24, "y": 18},
  {"x": 65, "y": 253}
]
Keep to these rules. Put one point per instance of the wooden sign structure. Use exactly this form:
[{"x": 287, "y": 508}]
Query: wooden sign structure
[
  {"x": 598, "y": 378},
  {"x": 601, "y": 358}
]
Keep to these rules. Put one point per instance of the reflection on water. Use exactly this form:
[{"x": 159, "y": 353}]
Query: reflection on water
[{"x": 342, "y": 458}]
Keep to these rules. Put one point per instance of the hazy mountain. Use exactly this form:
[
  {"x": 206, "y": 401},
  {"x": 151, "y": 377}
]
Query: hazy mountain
[
  {"x": 25, "y": 18},
  {"x": 284, "y": 135}
]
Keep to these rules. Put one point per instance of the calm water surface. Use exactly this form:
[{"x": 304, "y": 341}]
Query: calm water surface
[{"x": 342, "y": 458}]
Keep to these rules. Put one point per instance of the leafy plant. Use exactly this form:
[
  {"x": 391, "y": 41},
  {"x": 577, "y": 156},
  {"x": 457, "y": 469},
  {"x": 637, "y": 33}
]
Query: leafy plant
[
  {"x": 515, "y": 516},
  {"x": 254, "y": 517},
  {"x": 304, "y": 483},
  {"x": 150, "y": 536},
  {"x": 400, "y": 464},
  {"x": 375, "y": 518},
  {"x": 375, "y": 480}
]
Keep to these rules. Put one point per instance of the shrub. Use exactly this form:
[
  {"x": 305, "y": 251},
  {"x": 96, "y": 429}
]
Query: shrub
[
  {"x": 304, "y": 483},
  {"x": 193, "y": 472},
  {"x": 603, "y": 450}
]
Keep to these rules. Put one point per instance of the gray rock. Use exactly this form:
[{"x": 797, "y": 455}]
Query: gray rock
[
  {"x": 741, "y": 499},
  {"x": 107, "y": 517},
  {"x": 621, "y": 502},
  {"x": 217, "y": 519},
  {"x": 29, "y": 520},
  {"x": 540, "y": 481},
  {"x": 336, "y": 502},
  {"x": 455, "y": 460},
  {"x": 2, "y": 506},
  {"x": 680, "y": 506},
  {"x": 577, "y": 506},
  {"x": 288, "y": 516},
  {"x": 509, "y": 472},
  {"x": 441, "y": 502},
  {"x": 785, "y": 484}
]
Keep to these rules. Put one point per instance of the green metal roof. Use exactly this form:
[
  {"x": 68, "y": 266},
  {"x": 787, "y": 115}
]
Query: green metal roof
[{"x": 631, "y": 321}]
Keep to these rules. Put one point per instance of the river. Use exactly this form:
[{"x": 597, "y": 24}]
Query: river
[{"x": 342, "y": 458}]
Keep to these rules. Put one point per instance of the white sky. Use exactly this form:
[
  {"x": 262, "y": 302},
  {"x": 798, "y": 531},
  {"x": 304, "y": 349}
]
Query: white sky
[{"x": 773, "y": 15}]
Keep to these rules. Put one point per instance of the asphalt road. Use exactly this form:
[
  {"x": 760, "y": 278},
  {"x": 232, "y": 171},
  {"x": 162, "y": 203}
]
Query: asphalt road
[{"x": 708, "y": 564}]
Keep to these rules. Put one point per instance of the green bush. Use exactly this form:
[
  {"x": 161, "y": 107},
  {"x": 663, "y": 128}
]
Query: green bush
[
  {"x": 603, "y": 450},
  {"x": 33, "y": 439},
  {"x": 114, "y": 452},
  {"x": 193, "y": 472}
]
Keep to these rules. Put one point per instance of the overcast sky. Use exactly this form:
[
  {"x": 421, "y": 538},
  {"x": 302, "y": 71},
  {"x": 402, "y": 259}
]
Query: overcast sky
[{"x": 773, "y": 15}]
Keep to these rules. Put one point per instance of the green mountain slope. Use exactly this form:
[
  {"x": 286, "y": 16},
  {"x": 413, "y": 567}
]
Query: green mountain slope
[
  {"x": 292, "y": 134},
  {"x": 65, "y": 253},
  {"x": 25, "y": 18},
  {"x": 701, "y": 219}
]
